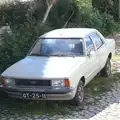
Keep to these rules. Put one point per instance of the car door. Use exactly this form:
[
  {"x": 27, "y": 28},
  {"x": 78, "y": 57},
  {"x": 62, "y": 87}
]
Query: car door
[
  {"x": 92, "y": 61},
  {"x": 100, "y": 47}
]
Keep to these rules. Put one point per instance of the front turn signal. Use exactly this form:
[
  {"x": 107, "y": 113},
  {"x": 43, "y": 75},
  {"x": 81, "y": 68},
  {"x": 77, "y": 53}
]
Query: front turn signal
[
  {"x": 2, "y": 79},
  {"x": 67, "y": 83}
]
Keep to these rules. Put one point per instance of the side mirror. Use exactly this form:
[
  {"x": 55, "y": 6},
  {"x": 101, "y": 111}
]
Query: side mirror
[{"x": 90, "y": 53}]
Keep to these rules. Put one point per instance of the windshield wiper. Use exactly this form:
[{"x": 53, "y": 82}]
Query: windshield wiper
[
  {"x": 37, "y": 54},
  {"x": 62, "y": 54},
  {"x": 59, "y": 55}
]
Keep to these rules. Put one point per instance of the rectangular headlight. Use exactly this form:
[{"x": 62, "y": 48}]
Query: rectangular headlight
[
  {"x": 8, "y": 82},
  {"x": 58, "y": 83},
  {"x": 61, "y": 83}
]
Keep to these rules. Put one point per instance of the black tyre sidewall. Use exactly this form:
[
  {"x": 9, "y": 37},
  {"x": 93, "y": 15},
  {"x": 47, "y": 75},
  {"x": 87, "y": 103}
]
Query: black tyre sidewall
[
  {"x": 76, "y": 100},
  {"x": 108, "y": 74},
  {"x": 104, "y": 72}
]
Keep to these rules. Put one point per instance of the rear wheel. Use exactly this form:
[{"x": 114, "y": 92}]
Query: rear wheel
[
  {"x": 106, "y": 71},
  {"x": 79, "y": 96}
]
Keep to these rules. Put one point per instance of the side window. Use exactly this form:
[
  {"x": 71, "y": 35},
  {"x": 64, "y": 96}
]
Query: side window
[
  {"x": 97, "y": 40},
  {"x": 89, "y": 44}
]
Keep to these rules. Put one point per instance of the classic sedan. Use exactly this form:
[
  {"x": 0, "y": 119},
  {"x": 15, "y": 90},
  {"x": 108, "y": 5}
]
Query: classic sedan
[{"x": 59, "y": 65}]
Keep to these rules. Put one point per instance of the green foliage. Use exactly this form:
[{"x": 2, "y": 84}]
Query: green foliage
[
  {"x": 109, "y": 6},
  {"x": 62, "y": 11},
  {"x": 13, "y": 13},
  {"x": 104, "y": 22},
  {"x": 15, "y": 45},
  {"x": 84, "y": 4},
  {"x": 18, "y": 13},
  {"x": 25, "y": 19}
]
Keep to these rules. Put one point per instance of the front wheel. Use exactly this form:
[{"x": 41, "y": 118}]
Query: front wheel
[
  {"x": 106, "y": 71},
  {"x": 79, "y": 96}
]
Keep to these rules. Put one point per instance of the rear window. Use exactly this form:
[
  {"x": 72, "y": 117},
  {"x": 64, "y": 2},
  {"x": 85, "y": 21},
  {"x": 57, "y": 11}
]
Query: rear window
[
  {"x": 89, "y": 44},
  {"x": 97, "y": 40}
]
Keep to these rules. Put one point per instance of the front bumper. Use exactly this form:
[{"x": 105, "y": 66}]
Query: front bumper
[{"x": 51, "y": 93}]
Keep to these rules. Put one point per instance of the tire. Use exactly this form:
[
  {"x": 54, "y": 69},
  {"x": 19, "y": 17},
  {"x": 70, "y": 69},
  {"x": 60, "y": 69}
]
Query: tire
[
  {"x": 79, "y": 96},
  {"x": 106, "y": 71}
]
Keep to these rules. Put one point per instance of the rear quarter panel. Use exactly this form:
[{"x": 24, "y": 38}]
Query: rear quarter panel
[
  {"x": 111, "y": 45},
  {"x": 107, "y": 48}
]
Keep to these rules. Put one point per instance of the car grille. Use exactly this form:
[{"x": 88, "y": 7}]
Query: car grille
[{"x": 26, "y": 82}]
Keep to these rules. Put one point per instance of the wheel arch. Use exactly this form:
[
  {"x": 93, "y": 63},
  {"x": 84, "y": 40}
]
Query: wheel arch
[
  {"x": 82, "y": 79},
  {"x": 110, "y": 55}
]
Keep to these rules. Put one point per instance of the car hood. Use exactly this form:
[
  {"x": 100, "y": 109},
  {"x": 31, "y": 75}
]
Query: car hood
[{"x": 32, "y": 67}]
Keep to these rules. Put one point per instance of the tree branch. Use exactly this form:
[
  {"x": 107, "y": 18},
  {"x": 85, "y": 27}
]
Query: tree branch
[
  {"x": 47, "y": 2},
  {"x": 68, "y": 19}
]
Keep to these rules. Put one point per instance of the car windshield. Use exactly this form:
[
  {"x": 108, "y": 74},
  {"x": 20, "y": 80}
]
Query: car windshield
[{"x": 58, "y": 47}]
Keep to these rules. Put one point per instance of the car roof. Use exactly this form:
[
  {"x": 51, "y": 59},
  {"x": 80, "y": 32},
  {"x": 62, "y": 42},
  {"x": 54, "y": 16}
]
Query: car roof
[{"x": 69, "y": 33}]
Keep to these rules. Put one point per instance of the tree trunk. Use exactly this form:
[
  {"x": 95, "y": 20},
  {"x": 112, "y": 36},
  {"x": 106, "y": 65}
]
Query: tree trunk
[
  {"x": 50, "y": 5},
  {"x": 46, "y": 14}
]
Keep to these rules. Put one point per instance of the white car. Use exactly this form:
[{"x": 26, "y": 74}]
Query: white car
[{"x": 59, "y": 65}]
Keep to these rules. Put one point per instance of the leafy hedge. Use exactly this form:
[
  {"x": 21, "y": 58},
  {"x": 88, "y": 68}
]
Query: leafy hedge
[
  {"x": 109, "y": 6},
  {"x": 15, "y": 45},
  {"x": 25, "y": 19},
  {"x": 104, "y": 22}
]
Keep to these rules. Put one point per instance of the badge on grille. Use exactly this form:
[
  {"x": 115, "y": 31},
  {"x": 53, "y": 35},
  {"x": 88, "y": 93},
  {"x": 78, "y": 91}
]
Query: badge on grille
[{"x": 33, "y": 82}]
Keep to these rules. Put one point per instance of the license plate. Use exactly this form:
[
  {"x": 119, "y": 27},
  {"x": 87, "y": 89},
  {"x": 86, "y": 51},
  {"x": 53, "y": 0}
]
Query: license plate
[{"x": 33, "y": 95}]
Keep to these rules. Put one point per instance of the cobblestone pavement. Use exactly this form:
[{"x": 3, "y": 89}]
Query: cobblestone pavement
[{"x": 104, "y": 107}]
